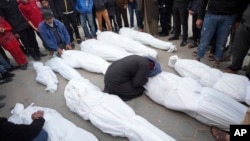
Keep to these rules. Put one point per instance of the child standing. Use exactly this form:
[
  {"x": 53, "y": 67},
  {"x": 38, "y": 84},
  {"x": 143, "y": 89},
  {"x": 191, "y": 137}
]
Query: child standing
[{"x": 10, "y": 43}]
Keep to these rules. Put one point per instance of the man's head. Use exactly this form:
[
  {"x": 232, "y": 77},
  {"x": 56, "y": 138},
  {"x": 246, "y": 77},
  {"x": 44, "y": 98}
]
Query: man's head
[
  {"x": 48, "y": 16},
  {"x": 44, "y": 3},
  {"x": 24, "y": 1}
]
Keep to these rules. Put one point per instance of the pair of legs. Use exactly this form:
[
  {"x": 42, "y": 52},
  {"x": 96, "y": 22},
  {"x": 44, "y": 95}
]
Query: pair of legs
[
  {"x": 218, "y": 26},
  {"x": 103, "y": 15},
  {"x": 88, "y": 18}
]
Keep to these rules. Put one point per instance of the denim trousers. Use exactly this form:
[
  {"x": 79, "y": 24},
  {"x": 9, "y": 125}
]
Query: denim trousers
[
  {"x": 88, "y": 17},
  {"x": 42, "y": 136},
  {"x": 133, "y": 8},
  {"x": 218, "y": 26}
]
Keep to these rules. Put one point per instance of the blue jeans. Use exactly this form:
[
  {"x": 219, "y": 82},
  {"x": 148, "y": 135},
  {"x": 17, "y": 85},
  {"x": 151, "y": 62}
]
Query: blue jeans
[
  {"x": 3, "y": 65},
  {"x": 218, "y": 26},
  {"x": 42, "y": 136},
  {"x": 84, "y": 17},
  {"x": 132, "y": 7}
]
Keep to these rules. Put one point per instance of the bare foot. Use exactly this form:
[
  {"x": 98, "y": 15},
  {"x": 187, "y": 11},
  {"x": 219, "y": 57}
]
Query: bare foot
[{"x": 218, "y": 134}]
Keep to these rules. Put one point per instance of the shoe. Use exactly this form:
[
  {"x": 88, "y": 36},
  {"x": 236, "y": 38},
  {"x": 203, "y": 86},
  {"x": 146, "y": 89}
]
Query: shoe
[
  {"x": 172, "y": 32},
  {"x": 2, "y": 105},
  {"x": 42, "y": 54},
  {"x": 173, "y": 38},
  {"x": 211, "y": 57},
  {"x": 183, "y": 43},
  {"x": 162, "y": 34},
  {"x": 5, "y": 80},
  {"x": 216, "y": 64},
  {"x": 78, "y": 40},
  {"x": 194, "y": 53},
  {"x": 37, "y": 58},
  {"x": 228, "y": 70},
  {"x": 2, "y": 97},
  {"x": 7, "y": 74},
  {"x": 24, "y": 67},
  {"x": 12, "y": 68}
]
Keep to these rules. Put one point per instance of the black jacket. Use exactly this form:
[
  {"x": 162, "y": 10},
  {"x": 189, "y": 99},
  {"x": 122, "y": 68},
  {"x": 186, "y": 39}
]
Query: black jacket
[
  {"x": 221, "y": 7},
  {"x": 19, "y": 132},
  {"x": 99, "y": 5},
  {"x": 63, "y": 6},
  {"x": 9, "y": 10},
  {"x": 165, "y": 5},
  {"x": 127, "y": 76}
]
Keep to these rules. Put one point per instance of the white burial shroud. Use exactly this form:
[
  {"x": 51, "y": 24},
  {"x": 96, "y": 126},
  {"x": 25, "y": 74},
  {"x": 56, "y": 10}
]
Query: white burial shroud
[
  {"x": 128, "y": 44},
  {"x": 236, "y": 86},
  {"x": 59, "y": 65},
  {"x": 147, "y": 39},
  {"x": 46, "y": 76},
  {"x": 109, "y": 113},
  {"x": 57, "y": 127},
  {"x": 205, "y": 104},
  {"x": 86, "y": 61},
  {"x": 106, "y": 51}
]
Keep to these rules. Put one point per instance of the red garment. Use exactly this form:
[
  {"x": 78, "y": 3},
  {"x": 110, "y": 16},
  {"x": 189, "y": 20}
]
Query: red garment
[
  {"x": 10, "y": 43},
  {"x": 31, "y": 12}
]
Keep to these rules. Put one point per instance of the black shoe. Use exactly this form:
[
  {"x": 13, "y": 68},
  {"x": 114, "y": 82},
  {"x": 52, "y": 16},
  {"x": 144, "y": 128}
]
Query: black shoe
[
  {"x": 12, "y": 68},
  {"x": 37, "y": 58},
  {"x": 2, "y": 105},
  {"x": 24, "y": 67},
  {"x": 2, "y": 97},
  {"x": 172, "y": 32},
  {"x": 173, "y": 38},
  {"x": 5, "y": 80},
  {"x": 7, "y": 74},
  {"x": 183, "y": 43},
  {"x": 73, "y": 45},
  {"x": 42, "y": 54},
  {"x": 163, "y": 34}
]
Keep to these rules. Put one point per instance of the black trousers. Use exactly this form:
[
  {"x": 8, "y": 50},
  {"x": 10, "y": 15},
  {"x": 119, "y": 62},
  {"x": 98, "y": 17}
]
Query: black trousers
[
  {"x": 121, "y": 14},
  {"x": 240, "y": 47},
  {"x": 196, "y": 31},
  {"x": 28, "y": 39},
  {"x": 180, "y": 15},
  {"x": 71, "y": 23},
  {"x": 165, "y": 21}
]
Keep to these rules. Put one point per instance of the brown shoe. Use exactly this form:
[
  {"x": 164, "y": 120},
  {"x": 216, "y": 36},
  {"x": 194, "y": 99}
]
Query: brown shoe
[{"x": 228, "y": 70}]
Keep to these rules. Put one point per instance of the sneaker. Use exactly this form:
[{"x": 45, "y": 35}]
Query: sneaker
[
  {"x": 7, "y": 74},
  {"x": 183, "y": 43},
  {"x": 2, "y": 97},
  {"x": 162, "y": 34},
  {"x": 2, "y": 105},
  {"x": 173, "y": 38},
  {"x": 24, "y": 67},
  {"x": 5, "y": 80}
]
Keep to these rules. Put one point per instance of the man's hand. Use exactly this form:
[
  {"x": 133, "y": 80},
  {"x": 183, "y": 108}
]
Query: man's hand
[
  {"x": 37, "y": 114},
  {"x": 191, "y": 12},
  {"x": 199, "y": 23},
  {"x": 59, "y": 51},
  {"x": 2, "y": 30},
  {"x": 68, "y": 47}
]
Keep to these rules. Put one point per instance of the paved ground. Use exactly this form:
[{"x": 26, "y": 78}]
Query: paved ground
[{"x": 24, "y": 89}]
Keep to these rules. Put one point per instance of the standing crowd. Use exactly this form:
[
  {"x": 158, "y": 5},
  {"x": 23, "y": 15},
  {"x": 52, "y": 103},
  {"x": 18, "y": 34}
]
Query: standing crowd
[{"x": 56, "y": 23}]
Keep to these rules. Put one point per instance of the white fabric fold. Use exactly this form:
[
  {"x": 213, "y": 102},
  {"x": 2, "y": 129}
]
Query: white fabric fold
[
  {"x": 205, "y": 104},
  {"x": 109, "y": 113},
  {"x": 128, "y": 44},
  {"x": 57, "y": 127}
]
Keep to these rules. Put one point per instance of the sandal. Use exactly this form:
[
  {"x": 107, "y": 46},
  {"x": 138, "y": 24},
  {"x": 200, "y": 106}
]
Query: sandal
[
  {"x": 210, "y": 57},
  {"x": 216, "y": 64},
  {"x": 218, "y": 134},
  {"x": 194, "y": 53}
]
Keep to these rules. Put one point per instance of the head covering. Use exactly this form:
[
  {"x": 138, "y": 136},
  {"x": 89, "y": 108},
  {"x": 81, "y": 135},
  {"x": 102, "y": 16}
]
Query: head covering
[
  {"x": 47, "y": 14},
  {"x": 156, "y": 68}
]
